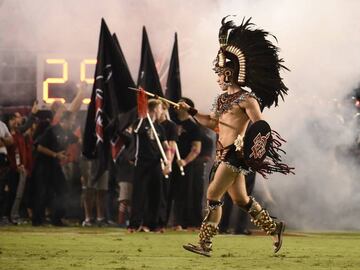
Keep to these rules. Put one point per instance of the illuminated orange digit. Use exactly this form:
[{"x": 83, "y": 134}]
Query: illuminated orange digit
[
  {"x": 55, "y": 80},
  {"x": 83, "y": 75}
]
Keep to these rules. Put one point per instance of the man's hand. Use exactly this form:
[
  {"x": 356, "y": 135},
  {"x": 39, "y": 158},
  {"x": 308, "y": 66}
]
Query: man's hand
[
  {"x": 21, "y": 169},
  {"x": 166, "y": 169},
  {"x": 183, "y": 106},
  {"x": 35, "y": 107},
  {"x": 75, "y": 104},
  {"x": 181, "y": 162},
  {"x": 81, "y": 86},
  {"x": 61, "y": 155}
]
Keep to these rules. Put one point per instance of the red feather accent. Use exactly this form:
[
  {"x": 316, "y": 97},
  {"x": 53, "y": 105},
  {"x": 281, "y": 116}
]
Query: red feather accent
[{"x": 142, "y": 103}]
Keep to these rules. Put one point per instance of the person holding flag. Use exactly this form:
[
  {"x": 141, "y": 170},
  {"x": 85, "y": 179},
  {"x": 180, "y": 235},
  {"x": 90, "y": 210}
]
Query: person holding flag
[
  {"x": 111, "y": 108},
  {"x": 245, "y": 58},
  {"x": 152, "y": 150},
  {"x": 148, "y": 167},
  {"x": 172, "y": 138},
  {"x": 185, "y": 185}
]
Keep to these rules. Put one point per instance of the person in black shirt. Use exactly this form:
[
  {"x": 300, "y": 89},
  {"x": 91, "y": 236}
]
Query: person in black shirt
[
  {"x": 148, "y": 171},
  {"x": 184, "y": 187},
  {"x": 200, "y": 177},
  {"x": 172, "y": 137},
  {"x": 169, "y": 128},
  {"x": 49, "y": 181}
]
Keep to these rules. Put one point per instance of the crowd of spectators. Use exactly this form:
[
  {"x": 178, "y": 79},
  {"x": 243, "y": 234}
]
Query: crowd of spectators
[{"x": 44, "y": 178}]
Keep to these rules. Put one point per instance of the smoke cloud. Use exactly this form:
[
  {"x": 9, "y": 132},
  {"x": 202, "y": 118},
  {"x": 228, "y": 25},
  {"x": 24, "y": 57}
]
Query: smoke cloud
[{"x": 319, "y": 42}]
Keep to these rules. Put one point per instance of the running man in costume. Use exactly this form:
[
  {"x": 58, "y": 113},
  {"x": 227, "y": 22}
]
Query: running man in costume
[{"x": 246, "y": 58}]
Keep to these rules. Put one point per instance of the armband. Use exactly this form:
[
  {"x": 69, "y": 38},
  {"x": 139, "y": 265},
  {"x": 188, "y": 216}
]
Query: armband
[{"x": 192, "y": 111}]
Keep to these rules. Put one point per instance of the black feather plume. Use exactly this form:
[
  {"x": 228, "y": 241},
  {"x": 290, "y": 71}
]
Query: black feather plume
[
  {"x": 263, "y": 64},
  {"x": 223, "y": 32}
]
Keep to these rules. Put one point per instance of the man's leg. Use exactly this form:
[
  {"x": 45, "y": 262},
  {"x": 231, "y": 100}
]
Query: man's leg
[
  {"x": 139, "y": 195},
  {"x": 179, "y": 186},
  {"x": 123, "y": 212},
  {"x": 154, "y": 197},
  {"x": 39, "y": 193},
  {"x": 13, "y": 185},
  {"x": 102, "y": 189},
  {"x": 223, "y": 179},
  {"x": 59, "y": 191},
  {"x": 165, "y": 184},
  {"x": 197, "y": 192},
  {"x": 224, "y": 226},
  {"x": 124, "y": 203},
  {"x": 259, "y": 216},
  {"x": 15, "y": 210},
  {"x": 241, "y": 226},
  {"x": 89, "y": 202},
  {"x": 100, "y": 207}
]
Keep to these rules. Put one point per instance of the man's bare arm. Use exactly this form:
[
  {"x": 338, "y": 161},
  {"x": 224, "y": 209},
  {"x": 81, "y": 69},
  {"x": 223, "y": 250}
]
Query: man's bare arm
[
  {"x": 166, "y": 147},
  {"x": 194, "y": 152},
  {"x": 6, "y": 141},
  {"x": 31, "y": 119},
  {"x": 77, "y": 101},
  {"x": 172, "y": 150},
  {"x": 252, "y": 109},
  {"x": 206, "y": 120},
  {"x": 46, "y": 151}
]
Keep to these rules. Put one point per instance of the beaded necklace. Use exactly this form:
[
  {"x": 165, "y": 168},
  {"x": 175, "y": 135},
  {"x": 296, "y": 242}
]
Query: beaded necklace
[{"x": 225, "y": 101}]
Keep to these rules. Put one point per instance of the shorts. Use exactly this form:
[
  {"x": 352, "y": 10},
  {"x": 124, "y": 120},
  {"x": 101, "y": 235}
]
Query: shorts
[
  {"x": 88, "y": 170},
  {"x": 125, "y": 172},
  {"x": 125, "y": 191}
]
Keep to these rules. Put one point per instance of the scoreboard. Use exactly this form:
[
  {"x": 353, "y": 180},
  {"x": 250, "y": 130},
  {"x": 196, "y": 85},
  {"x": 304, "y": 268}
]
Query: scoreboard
[
  {"x": 26, "y": 76},
  {"x": 58, "y": 77}
]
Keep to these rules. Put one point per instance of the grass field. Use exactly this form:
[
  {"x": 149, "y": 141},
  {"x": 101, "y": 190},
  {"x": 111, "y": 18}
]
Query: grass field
[{"x": 109, "y": 248}]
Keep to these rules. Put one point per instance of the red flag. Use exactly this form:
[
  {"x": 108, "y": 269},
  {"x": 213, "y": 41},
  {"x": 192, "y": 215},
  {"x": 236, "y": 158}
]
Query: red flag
[
  {"x": 142, "y": 103},
  {"x": 117, "y": 146}
]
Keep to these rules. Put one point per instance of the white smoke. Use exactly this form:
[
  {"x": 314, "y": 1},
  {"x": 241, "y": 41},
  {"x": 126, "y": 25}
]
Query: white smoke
[
  {"x": 319, "y": 42},
  {"x": 319, "y": 46}
]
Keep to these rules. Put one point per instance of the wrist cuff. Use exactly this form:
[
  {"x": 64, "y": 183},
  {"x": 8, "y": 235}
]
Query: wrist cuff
[{"x": 192, "y": 111}]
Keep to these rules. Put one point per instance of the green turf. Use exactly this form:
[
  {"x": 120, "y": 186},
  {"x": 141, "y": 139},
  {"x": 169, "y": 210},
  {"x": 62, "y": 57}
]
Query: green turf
[{"x": 93, "y": 248}]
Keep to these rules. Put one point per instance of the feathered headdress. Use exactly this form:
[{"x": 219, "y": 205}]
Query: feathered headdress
[{"x": 251, "y": 60}]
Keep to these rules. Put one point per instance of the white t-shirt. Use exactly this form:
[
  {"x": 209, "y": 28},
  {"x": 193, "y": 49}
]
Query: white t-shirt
[{"x": 4, "y": 132}]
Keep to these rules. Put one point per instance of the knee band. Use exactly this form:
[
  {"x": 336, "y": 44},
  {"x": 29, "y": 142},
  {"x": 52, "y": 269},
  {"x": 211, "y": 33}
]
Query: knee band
[
  {"x": 214, "y": 204},
  {"x": 249, "y": 206}
]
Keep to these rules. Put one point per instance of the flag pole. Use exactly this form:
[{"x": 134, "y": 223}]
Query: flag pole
[
  {"x": 155, "y": 96},
  {"x": 176, "y": 105},
  {"x": 178, "y": 157},
  {"x": 177, "y": 153},
  {"x": 164, "y": 158}
]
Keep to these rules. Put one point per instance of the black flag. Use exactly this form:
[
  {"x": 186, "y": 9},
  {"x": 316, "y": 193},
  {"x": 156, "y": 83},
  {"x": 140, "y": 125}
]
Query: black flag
[
  {"x": 109, "y": 99},
  {"x": 148, "y": 76},
  {"x": 173, "y": 84},
  {"x": 128, "y": 115}
]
